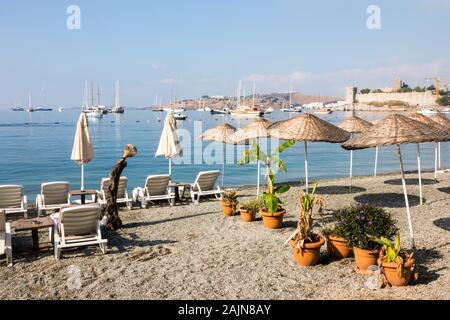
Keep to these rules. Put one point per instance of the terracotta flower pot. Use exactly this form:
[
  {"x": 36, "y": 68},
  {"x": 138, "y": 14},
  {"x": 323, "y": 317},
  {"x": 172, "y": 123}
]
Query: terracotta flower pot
[
  {"x": 227, "y": 208},
  {"x": 365, "y": 258},
  {"x": 309, "y": 255},
  {"x": 246, "y": 215},
  {"x": 272, "y": 220},
  {"x": 337, "y": 247},
  {"x": 390, "y": 271}
]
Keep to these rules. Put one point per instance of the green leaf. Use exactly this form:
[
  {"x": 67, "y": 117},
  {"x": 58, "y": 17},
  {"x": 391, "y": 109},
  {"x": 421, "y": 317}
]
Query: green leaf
[
  {"x": 285, "y": 145},
  {"x": 282, "y": 189}
]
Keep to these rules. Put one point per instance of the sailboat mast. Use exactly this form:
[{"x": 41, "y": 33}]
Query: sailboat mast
[
  {"x": 290, "y": 96},
  {"x": 98, "y": 93},
  {"x": 254, "y": 89},
  {"x": 92, "y": 93},
  {"x": 29, "y": 99}
]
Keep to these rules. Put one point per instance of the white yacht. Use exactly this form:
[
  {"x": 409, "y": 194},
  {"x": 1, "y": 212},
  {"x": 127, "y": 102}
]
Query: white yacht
[
  {"x": 116, "y": 107},
  {"x": 426, "y": 112}
]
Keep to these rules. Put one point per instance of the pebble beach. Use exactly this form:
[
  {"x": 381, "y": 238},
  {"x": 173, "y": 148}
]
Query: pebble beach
[{"x": 194, "y": 252}]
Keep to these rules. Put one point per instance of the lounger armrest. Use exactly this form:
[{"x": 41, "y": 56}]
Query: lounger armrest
[
  {"x": 39, "y": 200},
  {"x": 69, "y": 200}
]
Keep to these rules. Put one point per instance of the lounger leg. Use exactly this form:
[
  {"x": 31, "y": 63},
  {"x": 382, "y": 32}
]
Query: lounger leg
[
  {"x": 8, "y": 246},
  {"x": 25, "y": 215},
  {"x": 129, "y": 205},
  {"x": 57, "y": 251},
  {"x": 103, "y": 247}
]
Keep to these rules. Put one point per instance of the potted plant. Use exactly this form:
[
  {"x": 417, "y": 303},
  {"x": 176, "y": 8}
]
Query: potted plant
[
  {"x": 272, "y": 212},
  {"x": 248, "y": 209},
  {"x": 396, "y": 265},
  {"x": 356, "y": 223},
  {"x": 305, "y": 243},
  {"x": 229, "y": 202},
  {"x": 337, "y": 245}
]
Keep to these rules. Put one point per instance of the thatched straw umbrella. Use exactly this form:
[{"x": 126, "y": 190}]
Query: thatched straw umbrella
[
  {"x": 445, "y": 123},
  {"x": 222, "y": 134},
  {"x": 255, "y": 130},
  {"x": 353, "y": 125},
  {"x": 396, "y": 130},
  {"x": 308, "y": 127},
  {"x": 421, "y": 118}
]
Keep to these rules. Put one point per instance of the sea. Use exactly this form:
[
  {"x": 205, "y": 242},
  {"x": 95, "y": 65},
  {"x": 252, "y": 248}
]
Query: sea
[{"x": 36, "y": 148}]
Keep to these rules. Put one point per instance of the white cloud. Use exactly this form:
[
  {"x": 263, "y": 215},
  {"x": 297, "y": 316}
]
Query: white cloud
[{"x": 333, "y": 82}]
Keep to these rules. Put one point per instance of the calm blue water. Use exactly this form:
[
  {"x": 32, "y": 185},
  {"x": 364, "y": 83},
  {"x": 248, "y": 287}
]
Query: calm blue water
[{"x": 36, "y": 148}]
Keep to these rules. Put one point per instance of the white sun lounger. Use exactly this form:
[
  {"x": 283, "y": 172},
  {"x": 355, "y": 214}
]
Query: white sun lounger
[
  {"x": 5, "y": 239},
  {"x": 78, "y": 226},
  {"x": 156, "y": 188},
  {"x": 53, "y": 195},
  {"x": 205, "y": 184},
  {"x": 12, "y": 200},
  {"x": 122, "y": 192}
]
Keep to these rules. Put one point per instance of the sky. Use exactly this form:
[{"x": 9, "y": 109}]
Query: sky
[{"x": 204, "y": 47}]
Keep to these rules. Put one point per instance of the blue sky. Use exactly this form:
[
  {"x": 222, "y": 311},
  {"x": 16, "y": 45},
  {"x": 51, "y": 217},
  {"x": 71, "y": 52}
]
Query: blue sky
[{"x": 318, "y": 47}]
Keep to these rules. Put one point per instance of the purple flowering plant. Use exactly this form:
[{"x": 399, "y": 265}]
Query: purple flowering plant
[{"x": 355, "y": 223}]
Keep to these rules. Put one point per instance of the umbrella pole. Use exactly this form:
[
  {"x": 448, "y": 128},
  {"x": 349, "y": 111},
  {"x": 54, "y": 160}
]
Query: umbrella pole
[
  {"x": 259, "y": 176},
  {"x": 435, "y": 161},
  {"x": 351, "y": 165},
  {"x": 223, "y": 163},
  {"x": 420, "y": 174},
  {"x": 170, "y": 168},
  {"x": 439, "y": 157},
  {"x": 82, "y": 176},
  {"x": 376, "y": 163},
  {"x": 306, "y": 166},
  {"x": 411, "y": 234}
]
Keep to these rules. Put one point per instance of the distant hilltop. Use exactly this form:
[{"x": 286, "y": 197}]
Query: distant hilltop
[{"x": 274, "y": 100}]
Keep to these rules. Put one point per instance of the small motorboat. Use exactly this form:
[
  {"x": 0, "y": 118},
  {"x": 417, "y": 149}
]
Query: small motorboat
[
  {"x": 17, "y": 109},
  {"x": 323, "y": 111},
  {"x": 268, "y": 110},
  {"x": 220, "y": 111},
  {"x": 426, "y": 112},
  {"x": 61, "y": 109},
  {"x": 180, "y": 116}
]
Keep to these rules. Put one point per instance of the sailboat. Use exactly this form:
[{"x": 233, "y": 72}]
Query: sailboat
[
  {"x": 91, "y": 111},
  {"x": 30, "y": 108},
  {"x": 117, "y": 108},
  {"x": 291, "y": 108},
  {"x": 244, "y": 110}
]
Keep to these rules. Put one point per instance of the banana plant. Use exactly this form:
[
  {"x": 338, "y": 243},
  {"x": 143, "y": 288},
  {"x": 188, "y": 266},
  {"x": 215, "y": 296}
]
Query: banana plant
[{"x": 271, "y": 201}]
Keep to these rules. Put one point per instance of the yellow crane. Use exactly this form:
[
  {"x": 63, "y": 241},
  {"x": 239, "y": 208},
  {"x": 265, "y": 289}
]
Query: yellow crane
[{"x": 438, "y": 81}]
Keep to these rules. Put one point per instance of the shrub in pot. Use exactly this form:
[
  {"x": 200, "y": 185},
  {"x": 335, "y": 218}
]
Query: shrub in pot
[
  {"x": 397, "y": 266},
  {"x": 355, "y": 223},
  {"x": 249, "y": 209},
  {"x": 229, "y": 202},
  {"x": 272, "y": 212},
  {"x": 304, "y": 242}
]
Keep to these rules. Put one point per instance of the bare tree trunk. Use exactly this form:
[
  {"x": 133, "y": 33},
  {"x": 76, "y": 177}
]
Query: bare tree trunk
[{"x": 112, "y": 210}]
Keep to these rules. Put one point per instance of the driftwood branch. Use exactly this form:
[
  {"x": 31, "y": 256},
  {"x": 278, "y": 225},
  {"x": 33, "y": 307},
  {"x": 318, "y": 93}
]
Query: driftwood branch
[{"x": 111, "y": 211}]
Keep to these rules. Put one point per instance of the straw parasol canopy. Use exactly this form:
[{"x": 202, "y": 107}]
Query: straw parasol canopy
[
  {"x": 442, "y": 120},
  {"x": 396, "y": 130},
  {"x": 428, "y": 121},
  {"x": 82, "y": 150},
  {"x": 308, "y": 127},
  {"x": 355, "y": 124},
  {"x": 169, "y": 144},
  {"x": 255, "y": 130},
  {"x": 221, "y": 133}
]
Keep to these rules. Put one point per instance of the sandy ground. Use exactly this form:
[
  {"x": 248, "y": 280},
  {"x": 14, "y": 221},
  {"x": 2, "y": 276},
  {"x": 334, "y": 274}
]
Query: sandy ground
[{"x": 194, "y": 252}]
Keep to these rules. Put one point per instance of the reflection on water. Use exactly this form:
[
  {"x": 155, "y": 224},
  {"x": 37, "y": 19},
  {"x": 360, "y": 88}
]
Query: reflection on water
[{"x": 36, "y": 148}]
